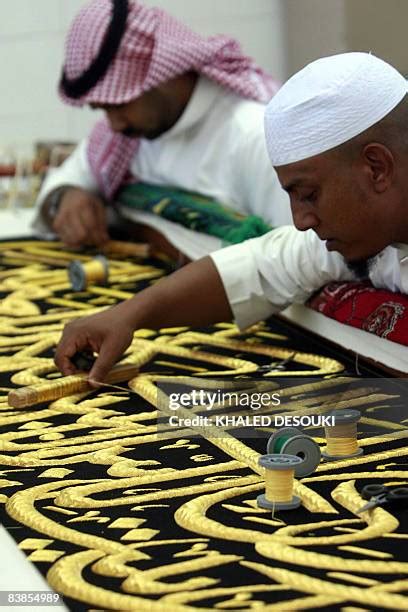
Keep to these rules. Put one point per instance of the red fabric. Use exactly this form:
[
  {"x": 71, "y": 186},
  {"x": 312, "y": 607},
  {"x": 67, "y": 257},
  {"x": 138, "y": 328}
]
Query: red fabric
[
  {"x": 361, "y": 305},
  {"x": 154, "y": 49}
]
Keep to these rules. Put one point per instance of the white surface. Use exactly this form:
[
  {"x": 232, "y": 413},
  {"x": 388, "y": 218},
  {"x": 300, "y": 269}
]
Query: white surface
[
  {"x": 19, "y": 574},
  {"x": 384, "y": 352},
  {"x": 16, "y": 224}
]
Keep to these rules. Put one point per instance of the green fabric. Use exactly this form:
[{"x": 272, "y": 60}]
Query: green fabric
[{"x": 193, "y": 210}]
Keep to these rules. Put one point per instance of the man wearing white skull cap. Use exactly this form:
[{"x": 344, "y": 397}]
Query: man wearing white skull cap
[
  {"x": 337, "y": 133},
  {"x": 181, "y": 110}
]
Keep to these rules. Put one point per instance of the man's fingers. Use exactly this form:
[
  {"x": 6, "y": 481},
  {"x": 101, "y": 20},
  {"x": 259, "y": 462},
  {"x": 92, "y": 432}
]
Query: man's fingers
[
  {"x": 109, "y": 353},
  {"x": 71, "y": 229},
  {"x": 70, "y": 344},
  {"x": 100, "y": 369},
  {"x": 91, "y": 224},
  {"x": 62, "y": 358},
  {"x": 100, "y": 220},
  {"x": 81, "y": 220}
]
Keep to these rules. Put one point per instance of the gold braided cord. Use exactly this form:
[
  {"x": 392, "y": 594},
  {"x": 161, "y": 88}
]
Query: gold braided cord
[
  {"x": 34, "y": 373},
  {"x": 323, "y": 365},
  {"x": 233, "y": 447},
  {"x": 27, "y": 396},
  {"x": 57, "y": 255},
  {"x": 41, "y": 259},
  {"x": 48, "y": 318},
  {"x": 312, "y": 501},
  {"x": 151, "y": 583},
  {"x": 108, "y": 292},
  {"x": 355, "y": 461},
  {"x": 65, "y": 576},
  {"x": 66, "y": 385},
  {"x": 186, "y": 597},
  {"x": 21, "y": 507},
  {"x": 80, "y": 496},
  {"x": 97, "y": 431},
  {"x": 69, "y": 303},
  {"x": 233, "y": 365},
  {"x": 37, "y": 347},
  {"x": 17, "y": 244},
  {"x": 352, "y": 578},
  {"x": 313, "y": 602},
  {"x": 307, "y": 584},
  {"x": 377, "y": 554}
]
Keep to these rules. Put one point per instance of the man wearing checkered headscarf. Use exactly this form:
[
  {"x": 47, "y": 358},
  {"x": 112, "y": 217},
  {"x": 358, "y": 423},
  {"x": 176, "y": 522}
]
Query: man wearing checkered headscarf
[{"x": 119, "y": 54}]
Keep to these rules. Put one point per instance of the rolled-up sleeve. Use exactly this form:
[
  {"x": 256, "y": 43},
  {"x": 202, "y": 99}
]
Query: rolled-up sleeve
[{"x": 264, "y": 275}]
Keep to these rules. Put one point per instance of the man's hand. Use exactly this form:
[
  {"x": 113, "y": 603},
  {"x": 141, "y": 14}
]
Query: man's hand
[
  {"x": 194, "y": 295},
  {"x": 81, "y": 219},
  {"x": 107, "y": 333}
]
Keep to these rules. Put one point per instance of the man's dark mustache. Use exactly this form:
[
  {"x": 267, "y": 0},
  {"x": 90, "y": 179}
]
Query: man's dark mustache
[{"x": 130, "y": 133}]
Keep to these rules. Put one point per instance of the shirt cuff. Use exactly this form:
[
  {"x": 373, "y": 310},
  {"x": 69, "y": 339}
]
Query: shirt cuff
[{"x": 239, "y": 274}]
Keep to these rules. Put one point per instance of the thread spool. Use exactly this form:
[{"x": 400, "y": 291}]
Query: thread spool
[
  {"x": 341, "y": 438},
  {"x": 279, "y": 480},
  {"x": 94, "y": 272},
  {"x": 292, "y": 441},
  {"x": 131, "y": 249}
]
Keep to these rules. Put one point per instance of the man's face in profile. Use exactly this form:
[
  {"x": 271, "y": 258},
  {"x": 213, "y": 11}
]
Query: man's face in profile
[
  {"x": 331, "y": 196},
  {"x": 148, "y": 116}
]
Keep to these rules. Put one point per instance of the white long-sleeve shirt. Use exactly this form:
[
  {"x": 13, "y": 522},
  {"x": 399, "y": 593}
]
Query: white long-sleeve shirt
[
  {"x": 217, "y": 148},
  {"x": 264, "y": 275}
]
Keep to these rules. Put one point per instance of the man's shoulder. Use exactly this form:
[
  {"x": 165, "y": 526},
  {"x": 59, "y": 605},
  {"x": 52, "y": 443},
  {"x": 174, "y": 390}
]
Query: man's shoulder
[
  {"x": 243, "y": 119},
  {"x": 246, "y": 114}
]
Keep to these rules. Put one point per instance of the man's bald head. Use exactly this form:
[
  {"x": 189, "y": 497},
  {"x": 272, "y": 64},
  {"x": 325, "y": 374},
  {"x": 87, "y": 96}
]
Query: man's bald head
[{"x": 391, "y": 131}]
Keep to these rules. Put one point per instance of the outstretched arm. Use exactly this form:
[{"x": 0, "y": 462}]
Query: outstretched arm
[
  {"x": 193, "y": 296},
  {"x": 247, "y": 282}
]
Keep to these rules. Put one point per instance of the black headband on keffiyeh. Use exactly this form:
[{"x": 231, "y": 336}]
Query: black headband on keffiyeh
[{"x": 75, "y": 88}]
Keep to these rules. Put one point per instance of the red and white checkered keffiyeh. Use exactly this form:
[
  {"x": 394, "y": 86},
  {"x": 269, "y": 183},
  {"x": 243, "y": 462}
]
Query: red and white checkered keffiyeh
[{"x": 154, "y": 49}]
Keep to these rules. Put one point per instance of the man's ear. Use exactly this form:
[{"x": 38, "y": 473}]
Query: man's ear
[{"x": 379, "y": 165}]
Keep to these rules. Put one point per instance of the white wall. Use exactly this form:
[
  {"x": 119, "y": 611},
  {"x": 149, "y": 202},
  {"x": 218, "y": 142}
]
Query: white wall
[
  {"x": 32, "y": 36},
  {"x": 282, "y": 35},
  {"x": 314, "y": 28}
]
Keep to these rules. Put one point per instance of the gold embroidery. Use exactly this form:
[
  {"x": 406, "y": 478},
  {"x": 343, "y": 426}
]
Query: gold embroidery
[{"x": 208, "y": 486}]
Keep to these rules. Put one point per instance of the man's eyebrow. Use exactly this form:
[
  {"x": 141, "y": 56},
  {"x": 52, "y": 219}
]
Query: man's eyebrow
[{"x": 292, "y": 184}]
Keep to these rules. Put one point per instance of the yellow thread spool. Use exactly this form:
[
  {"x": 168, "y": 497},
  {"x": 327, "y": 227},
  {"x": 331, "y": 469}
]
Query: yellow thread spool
[
  {"x": 341, "y": 437},
  {"x": 94, "y": 272},
  {"x": 279, "y": 480},
  {"x": 132, "y": 249}
]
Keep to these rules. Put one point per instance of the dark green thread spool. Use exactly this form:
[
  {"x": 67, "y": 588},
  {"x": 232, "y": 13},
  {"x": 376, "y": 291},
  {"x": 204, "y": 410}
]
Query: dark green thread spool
[{"x": 292, "y": 441}]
